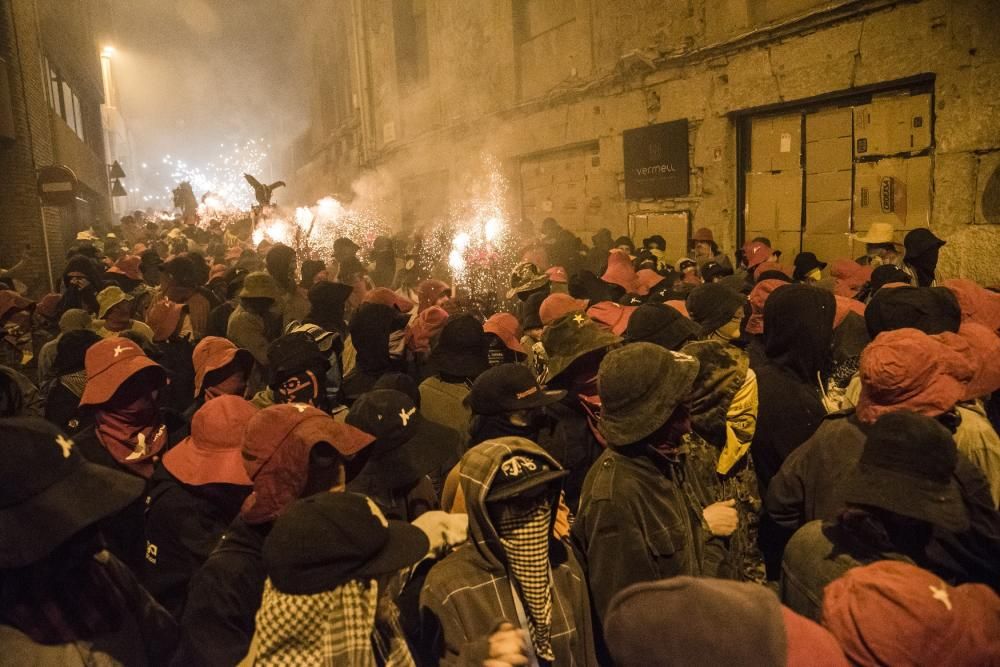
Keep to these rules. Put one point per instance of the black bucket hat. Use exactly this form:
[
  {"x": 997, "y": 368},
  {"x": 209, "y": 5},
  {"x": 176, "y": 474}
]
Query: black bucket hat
[
  {"x": 461, "y": 348},
  {"x": 804, "y": 263},
  {"x": 640, "y": 386},
  {"x": 711, "y": 305},
  {"x": 358, "y": 543},
  {"x": 407, "y": 446},
  {"x": 506, "y": 388},
  {"x": 907, "y": 468},
  {"x": 571, "y": 337},
  {"x": 661, "y": 324},
  {"x": 49, "y": 492}
]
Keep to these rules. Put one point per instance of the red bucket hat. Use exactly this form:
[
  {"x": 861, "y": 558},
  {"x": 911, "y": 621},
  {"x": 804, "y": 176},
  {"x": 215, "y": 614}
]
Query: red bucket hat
[
  {"x": 48, "y": 306},
  {"x": 429, "y": 291},
  {"x": 212, "y": 453},
  {"x": 556, "y": 305},
  {"x": 906, "y": 369},
  {"x": 276, "y": 446},
  {"x": 982, "y": 347},
  {"x": 128, "y": 266},
  {"x": 212, "y": 353},
  {"x": 109, "y": 363},
  {"x": 611, "y": 316},
  {"x": 505, "y": 327},
  {"x": 163, "y": 318},
  {"x": 758, "y": 297},
  {"x": 895, "y": 613},
  {"x": 620, "y": 271}
]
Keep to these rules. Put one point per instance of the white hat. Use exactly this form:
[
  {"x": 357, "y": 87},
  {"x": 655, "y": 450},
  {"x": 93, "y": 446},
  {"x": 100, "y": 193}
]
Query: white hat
[
  {"x": 879, "y": 232},
  {"x": 86, "y": 235}
]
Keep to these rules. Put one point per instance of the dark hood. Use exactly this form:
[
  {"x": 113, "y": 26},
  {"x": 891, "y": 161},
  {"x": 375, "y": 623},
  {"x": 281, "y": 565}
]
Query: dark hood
[
  {"x": 933, "y": 310},
  {"x": 798, "y": 330},
  {"x": 370, "y": 330},
  {"x": 479, "y": 467},
  {"x": 84, "y": 265}
]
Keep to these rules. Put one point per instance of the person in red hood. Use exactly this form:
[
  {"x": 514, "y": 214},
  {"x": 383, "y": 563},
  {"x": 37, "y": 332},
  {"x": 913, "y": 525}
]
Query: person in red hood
[
  {"x": 195, "y": 492},
  {"x": 289, "y": 451},
  {"x": 894, "y": 613}
]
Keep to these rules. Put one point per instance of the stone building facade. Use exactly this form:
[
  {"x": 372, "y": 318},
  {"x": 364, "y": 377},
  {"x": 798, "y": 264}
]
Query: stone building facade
[
  {"x": 53, "y": 95},
  {"x": 807, "y": 120}
]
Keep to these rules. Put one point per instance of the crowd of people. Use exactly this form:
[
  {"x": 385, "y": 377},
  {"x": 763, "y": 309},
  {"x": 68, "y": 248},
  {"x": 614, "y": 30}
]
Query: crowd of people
[{"x": 217, "y": 453}]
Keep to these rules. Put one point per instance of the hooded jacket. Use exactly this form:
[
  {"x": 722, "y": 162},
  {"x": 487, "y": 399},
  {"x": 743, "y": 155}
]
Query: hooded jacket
[
  {"x": 809, "y": 488},
  {"x": 798, "y": 335},
  {"x": 470, "y": 591}
]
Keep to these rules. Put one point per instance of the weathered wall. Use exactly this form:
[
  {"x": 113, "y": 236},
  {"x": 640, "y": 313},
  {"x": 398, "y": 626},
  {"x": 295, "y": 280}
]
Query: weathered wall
[{"x": 627, "y": 63}]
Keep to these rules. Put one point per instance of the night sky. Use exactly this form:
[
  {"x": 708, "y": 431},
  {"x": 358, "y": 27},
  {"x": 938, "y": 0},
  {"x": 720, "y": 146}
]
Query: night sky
[{"x": 196, "y": 73}]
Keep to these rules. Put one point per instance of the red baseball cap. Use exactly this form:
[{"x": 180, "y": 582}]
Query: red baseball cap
[
  {"x": 895, "y": 613},
  {"x": 212, "y": 453},
  {"x": 212, "y": 353},
  {"x": 109, "y": 363},
  {"x": 757, "y": 253},
  {"x": 506, "y": 327}
]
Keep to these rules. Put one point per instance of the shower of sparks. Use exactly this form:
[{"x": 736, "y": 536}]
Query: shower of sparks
[
  {"x": 481, "y": 251},
  {"x": 219, "y": 181}
]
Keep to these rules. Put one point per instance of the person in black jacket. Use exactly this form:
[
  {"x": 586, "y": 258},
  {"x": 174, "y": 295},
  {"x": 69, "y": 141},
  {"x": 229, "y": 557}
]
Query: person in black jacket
[
  {"x": 798, "y": 335},
  {"x": 195, "y": 492},
  {"x": 289, "y": 451}
]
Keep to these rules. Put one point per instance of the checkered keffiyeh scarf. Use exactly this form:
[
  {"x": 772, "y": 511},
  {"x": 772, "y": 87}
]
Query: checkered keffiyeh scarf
[
  {"x": 525, "y": 539},
  {"x": 332, "y": 628}
]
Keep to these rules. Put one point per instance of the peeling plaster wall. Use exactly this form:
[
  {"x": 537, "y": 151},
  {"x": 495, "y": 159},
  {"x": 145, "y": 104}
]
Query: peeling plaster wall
[{"x": 644, "y": 61}]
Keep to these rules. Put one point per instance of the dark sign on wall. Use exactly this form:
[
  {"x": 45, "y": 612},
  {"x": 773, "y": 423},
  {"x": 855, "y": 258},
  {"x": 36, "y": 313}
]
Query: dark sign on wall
[{"x": 656, "y": 161}]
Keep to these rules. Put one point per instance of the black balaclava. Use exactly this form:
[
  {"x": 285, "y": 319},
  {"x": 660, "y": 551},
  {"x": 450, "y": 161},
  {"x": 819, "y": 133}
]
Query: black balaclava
[
  {"x": 924, "y": 265},
  {"x": 798, "y": 330}
]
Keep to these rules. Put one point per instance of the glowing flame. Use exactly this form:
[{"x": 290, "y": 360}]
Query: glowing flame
[
  {"x": 279, "y": 232},
  {"x": 456, "y": 261},
  {"x": 328, "y": 208},
  {"x": 492, "y": 229},
  {"x": 258, "y": 236},
  {"x": 461, "y": 242},
  {"x": 304, "y": 218}
]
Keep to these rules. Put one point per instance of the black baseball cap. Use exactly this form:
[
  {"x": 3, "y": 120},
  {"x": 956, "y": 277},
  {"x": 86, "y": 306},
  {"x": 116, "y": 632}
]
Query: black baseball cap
[
  {"x": 407, "y": 446},
  {"x": 521, "y": 472},
  {"x": 506, "y": 388},
  {"x": 328, "y": 539}
]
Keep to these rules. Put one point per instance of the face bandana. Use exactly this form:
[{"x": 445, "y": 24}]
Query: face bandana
[
  {"x": 302, "y": 387},
  {"x": 524, "y": 535},
  {"x": 133, "y": 433},
  {"x": 234, "y": 385}
]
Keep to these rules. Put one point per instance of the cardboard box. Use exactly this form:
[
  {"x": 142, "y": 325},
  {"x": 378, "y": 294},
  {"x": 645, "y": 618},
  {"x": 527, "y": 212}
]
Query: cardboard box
[
  {"x": 893, "y": 190},
  {"x": 828, "y": 246},
  {"x": 828, "y": 155},
  {"x": 828, "y": 217},
  {"x": 789, "y": 243},
  {"x": 774, "y": 201},
  {"x": 828, "y": 186},
  {"x": 776, "y": 143},
  {"x": 892, "y": 125},
  {"x": 828, "y": 124}
]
